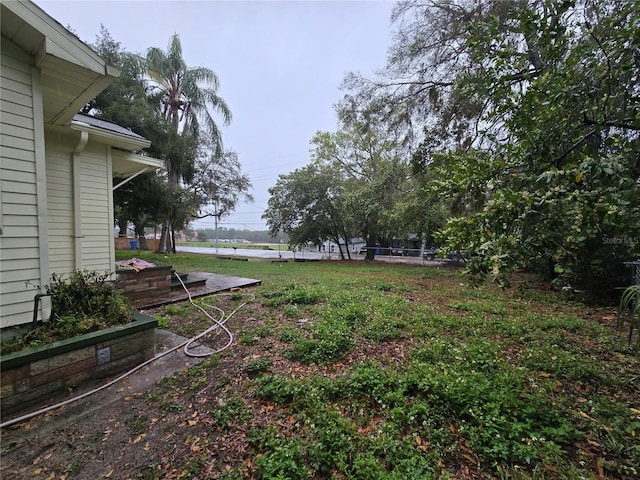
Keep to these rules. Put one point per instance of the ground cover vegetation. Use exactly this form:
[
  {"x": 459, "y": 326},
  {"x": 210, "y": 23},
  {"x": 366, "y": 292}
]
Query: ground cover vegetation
[
  {"x": 81, "y": 302},
  {"x": 366, "y": 370}
]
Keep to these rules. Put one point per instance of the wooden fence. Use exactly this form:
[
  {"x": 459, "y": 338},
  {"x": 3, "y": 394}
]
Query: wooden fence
[{"x": 124, "y": 243}]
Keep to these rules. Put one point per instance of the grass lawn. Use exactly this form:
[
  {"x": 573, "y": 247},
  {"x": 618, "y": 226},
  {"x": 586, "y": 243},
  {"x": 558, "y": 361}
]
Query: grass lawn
[
  {"x": 375, "y": 371},
  {"x": 354, "y": 370}
]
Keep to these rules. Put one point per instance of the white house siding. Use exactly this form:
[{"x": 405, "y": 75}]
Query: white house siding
[
  {"x": 20, "y": 272},
  {"x": 60, "y": 202},
  {"x": 95, "y": 195},
  {"x": 85, "y": 246}
]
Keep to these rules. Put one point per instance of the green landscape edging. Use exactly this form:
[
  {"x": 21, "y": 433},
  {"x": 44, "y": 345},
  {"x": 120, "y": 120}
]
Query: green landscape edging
[{"x": 16, "y": 359}]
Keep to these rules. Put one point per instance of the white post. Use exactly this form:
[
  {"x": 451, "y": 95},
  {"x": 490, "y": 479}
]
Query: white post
[{"x": 215, "y": 216}]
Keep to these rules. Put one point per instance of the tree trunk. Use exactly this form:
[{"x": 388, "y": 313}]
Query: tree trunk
[
  {"x": 166, "y": 243},
  {"x": 142, "y": 240},
  {"x": 122, "y": 228},
  {"x": 165, "y": 246},
  {"x": 371, "y": 247},
  {"x": 346, "y": 244}
]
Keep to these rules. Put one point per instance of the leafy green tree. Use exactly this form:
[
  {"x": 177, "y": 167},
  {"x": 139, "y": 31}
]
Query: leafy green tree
[
  {"x": 308, "y": 206},
  {"x": 185, "y": 96},
  {"x": 419, "y": 212},
  {"x": 353, "y": 186},
  {"x": 530, "y": 118},
  {"x": 218, "y": 184},
  {"x": 417, "y": 94},
  {"x": 127, "y": 101},
  {"x": 373, "y": 172}
]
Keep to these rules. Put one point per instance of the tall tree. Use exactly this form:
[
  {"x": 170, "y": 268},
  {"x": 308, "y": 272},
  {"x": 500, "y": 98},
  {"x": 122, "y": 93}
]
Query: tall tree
[
  {"x": 308, "y": 206},
  {"x": 373, "y": 170},
  {"x": 219, "y": 183},
  {"x": 533, "y": 139},
  {"x": 127, "y": 101},
  {"x": 418, "y": 93},
  {"x": 130, "y": 103},
  {"x": 188, "y": 98}
]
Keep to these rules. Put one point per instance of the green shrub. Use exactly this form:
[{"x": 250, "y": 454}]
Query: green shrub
[
  {"x": 258, "y": 365},
  {"x": 82, "y": 303},
  {"x": 247, "y": 339},
  {"x": 282, "y": 459},
  {"x": 228, "y": 411},
  {"x": 330, "y": 341},
  {"x": 87, "y": 295},
  {"x": 384, "y": 330}
]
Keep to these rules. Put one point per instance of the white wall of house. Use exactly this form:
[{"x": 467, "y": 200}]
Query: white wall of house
[
  {"x": 55, "y": 205},
  {"x": 22, "y": 201},
  {"x": 80, "y": 202},
  {"x": 56, "y": 200},
  {"x": 94, "y": 188},
  {"x": 60, "y": 202}
]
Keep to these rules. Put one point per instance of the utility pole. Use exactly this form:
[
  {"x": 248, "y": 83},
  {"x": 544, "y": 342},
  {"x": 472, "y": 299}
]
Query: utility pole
[{"x": 215, "y": 216}]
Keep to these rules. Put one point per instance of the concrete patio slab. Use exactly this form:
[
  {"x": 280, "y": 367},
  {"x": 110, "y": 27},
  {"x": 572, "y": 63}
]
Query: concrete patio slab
[{"x": 215, "y": 283}]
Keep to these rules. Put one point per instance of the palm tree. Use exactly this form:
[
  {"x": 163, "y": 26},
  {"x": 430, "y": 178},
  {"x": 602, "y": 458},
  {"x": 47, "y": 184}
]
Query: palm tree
[{"x": 187, "y": 98}]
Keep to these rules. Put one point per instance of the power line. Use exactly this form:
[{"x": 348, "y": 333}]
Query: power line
[{"x": 271, "y": 166}]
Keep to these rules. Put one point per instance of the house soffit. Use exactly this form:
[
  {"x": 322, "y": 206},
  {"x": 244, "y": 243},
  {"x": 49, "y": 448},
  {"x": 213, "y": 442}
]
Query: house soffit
[
  {"x": 123, "y": 142},
  {"x": 126, "y": 164},
  {"x": 71, "y": 73}
]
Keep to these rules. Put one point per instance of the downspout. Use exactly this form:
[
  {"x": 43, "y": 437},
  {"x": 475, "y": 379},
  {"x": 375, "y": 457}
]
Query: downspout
[
  {"x": 77, "y": 214},
  {"x": 36, "y": 302},
  {"x": 41, "y": 187}
]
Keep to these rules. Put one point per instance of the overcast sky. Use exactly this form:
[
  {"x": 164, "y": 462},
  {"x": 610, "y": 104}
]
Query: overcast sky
[{"x": 280, "y": 66}]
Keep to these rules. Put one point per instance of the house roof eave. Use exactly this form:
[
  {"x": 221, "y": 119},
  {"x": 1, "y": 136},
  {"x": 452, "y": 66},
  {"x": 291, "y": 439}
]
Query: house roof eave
[
  {"x": 71, "y": 72},
  {"x": 127, "y": 165},
  {"x": 28, "y": 26},
  {"x": 116, "y": 139}
]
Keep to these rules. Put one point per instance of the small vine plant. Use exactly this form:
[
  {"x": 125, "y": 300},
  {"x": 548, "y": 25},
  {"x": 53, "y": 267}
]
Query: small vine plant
[{"x": 629, "y": 312}]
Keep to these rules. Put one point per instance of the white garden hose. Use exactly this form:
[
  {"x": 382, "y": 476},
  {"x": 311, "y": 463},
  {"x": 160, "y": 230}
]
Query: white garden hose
[{"x": 217, "y": 324}]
